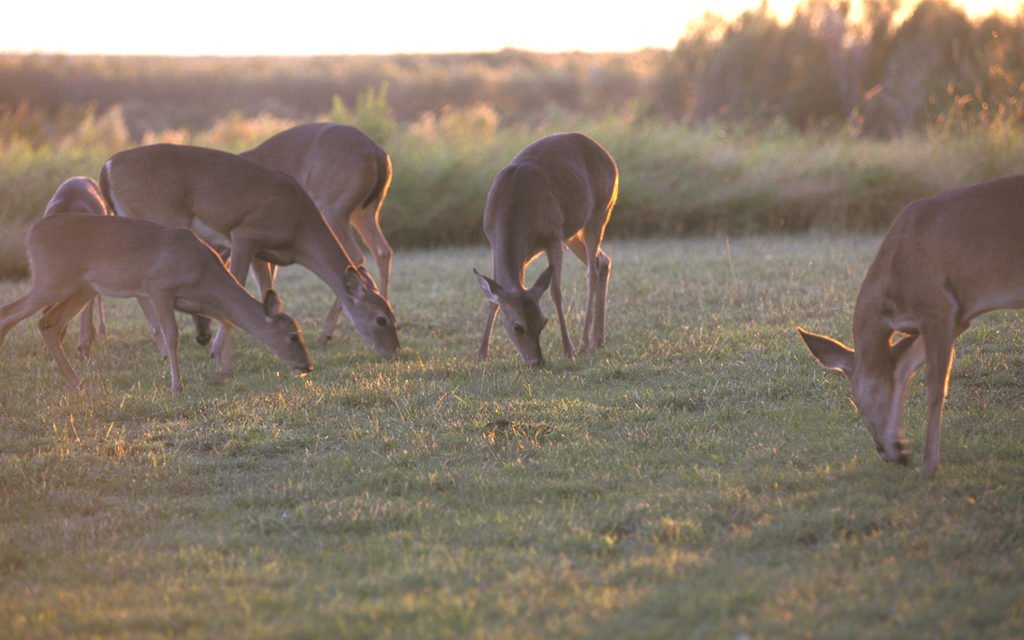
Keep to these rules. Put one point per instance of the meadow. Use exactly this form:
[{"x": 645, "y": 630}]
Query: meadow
[{"x": 701, "y": 476}]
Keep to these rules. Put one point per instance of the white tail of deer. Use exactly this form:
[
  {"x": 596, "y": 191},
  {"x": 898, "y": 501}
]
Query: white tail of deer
[
  {"x": 258, "y": 213},
  {"x": 945, "y": 260},
  {"x": 74, "y": 257},
  {"x": 347, "y": 174},
  {"x": 560, "y": 189},
  {"x": 82, "y": 195}
]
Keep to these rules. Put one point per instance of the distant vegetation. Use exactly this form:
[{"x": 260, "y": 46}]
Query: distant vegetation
[{"x": 746, "y": 126}]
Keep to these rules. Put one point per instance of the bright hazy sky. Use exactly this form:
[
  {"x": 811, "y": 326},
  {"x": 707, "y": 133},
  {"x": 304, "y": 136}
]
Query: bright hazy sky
[{"x": 303, "y": 27}]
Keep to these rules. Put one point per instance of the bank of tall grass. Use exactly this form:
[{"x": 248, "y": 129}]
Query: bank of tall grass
[{"x": 676, "y": 179}]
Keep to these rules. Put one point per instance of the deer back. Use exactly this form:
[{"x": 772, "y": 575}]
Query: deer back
[
  {"x": 339, "y": 166},
  {"x": 214, "y": 192},
  {"x": 80, "y": 194},
  {"x": 961, "y": 246},
  {"x": 550, "y": 191},
  {"x": 117, "y": 256}
]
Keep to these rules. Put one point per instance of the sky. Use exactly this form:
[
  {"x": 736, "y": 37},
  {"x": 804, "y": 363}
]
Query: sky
[{"x": 317, "y": 27}]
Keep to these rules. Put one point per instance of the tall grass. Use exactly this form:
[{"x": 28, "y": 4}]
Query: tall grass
[
  {"x": 676, "y": 180},
  {"x": 699, "y": 477}
]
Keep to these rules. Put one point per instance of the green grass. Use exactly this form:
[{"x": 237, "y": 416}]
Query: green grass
[{"x": 699, "y": 477}]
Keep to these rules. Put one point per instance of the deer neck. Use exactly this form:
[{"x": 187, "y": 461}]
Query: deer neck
[
  {"x": 323, "y": 255},
  {"x": 872, "y": 331},
  {"x": 510, "y": 256},
  {"x": 231, "y": 303},
  {"x": 509, "y": 270}
]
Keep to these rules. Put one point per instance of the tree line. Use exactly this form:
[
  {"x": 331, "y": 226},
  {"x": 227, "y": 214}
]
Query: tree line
[{"x": 878, "y": 74}]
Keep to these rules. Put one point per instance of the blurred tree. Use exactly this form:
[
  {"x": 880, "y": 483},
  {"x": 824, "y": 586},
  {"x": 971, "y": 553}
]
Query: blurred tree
[{"x": 928, "y": 53}]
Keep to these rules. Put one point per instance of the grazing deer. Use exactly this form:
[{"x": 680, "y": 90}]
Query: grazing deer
[
  {"x": 560, "y": 189},
  {"x": 74, "y": 257},
  {"x": 347, "y": 174},
  {"x": 258, "y": 213},
  {"x": 82, "y": 195},
  {"x": 945, "y": 260}
]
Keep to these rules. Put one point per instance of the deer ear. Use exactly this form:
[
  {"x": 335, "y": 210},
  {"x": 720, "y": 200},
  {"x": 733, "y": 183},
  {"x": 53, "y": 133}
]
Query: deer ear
[
  {"x": 832, "y": 354},
  {"x": 492, "y": 290},
  {"x": 541, "y": 285},
  {"x": 353, "y": 282},
  {"x": 271, "y": 303},
  {"x": 367, "y": 279}
]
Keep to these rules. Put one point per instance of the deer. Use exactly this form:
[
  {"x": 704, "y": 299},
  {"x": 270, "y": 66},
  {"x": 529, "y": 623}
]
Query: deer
[
  {"x": 262, "y": 216},
  {"x": 347, "y": 174},
  {"x": 82, "y": 194},
  {"x": 559, "y": 190},
  {"x": 944, "y": 261},
  {"x": 74, "y": 257}
]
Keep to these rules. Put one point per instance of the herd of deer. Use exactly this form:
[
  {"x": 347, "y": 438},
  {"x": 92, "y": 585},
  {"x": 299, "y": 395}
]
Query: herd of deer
[{"x": 157, "y": 223}]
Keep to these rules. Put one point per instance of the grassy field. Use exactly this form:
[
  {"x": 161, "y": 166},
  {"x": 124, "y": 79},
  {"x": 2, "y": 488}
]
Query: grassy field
[{"x": 700, "y": 477}]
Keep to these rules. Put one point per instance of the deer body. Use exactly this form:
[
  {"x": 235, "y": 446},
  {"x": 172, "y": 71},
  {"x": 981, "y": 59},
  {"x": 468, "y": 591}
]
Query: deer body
[
  {"x": 347, "y": 175},
  {"x": 73, "y": 257},
  {"x": 258, "y": 213},
  {"x": 944, "y": 261},
  {"x": 559, "y": 190},
  {"x": 82, "y": 195}
]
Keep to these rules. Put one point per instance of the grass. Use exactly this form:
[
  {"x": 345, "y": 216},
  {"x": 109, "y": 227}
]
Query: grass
[{"x": 699, "y": 477}]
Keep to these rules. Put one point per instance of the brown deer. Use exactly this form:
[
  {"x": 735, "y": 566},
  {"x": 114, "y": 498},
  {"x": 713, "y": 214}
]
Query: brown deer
[
  {"x": 257, "y": 213},
  {"x": 560, "y": 189},
  {"x": 944, "y": 261},
  {"x": 82, "y": 195},
  {"x": 73, "y": 257},
  {"x": 347, "y": 174}
]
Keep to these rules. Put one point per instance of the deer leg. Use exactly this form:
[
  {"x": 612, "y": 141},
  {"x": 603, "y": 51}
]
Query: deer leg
[
  {"x": 86, "y": 331},
  {"x": 53, "y": 324},
  {"x": 485, "y": 343},
  {"x": 598, "y": 266},
  {"x": 555, "y": 260},
  {"x": 579, "y": 249},
  {"x": 263, "y": 274},
  {"x": 154, "y": 323},
  {"x": 202, "y": 323},
  {"x": 906, "y": 365},
  {"x": 597, "y": 282},
  {"x": 102, "y": 318},
  {"x": 223, "y": 352},
  {"x": 367, "y": 224},
  {"x": 163, "y": 311},
  {"x": 242, "y": 255},
  {"x": 14, "y": 312},
  {"x": 348, "y": 244},
  {"x": 355, "y": 255},
  {"x": 330, "y": 322},
  {"x": 938, "y": 362}
]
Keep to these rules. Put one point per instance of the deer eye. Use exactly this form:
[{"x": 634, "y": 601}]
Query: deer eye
[
  {"x": 519, "y": 329},
  {"x": 293, "y": 338},
  {"x": 382, "y": 321}
]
